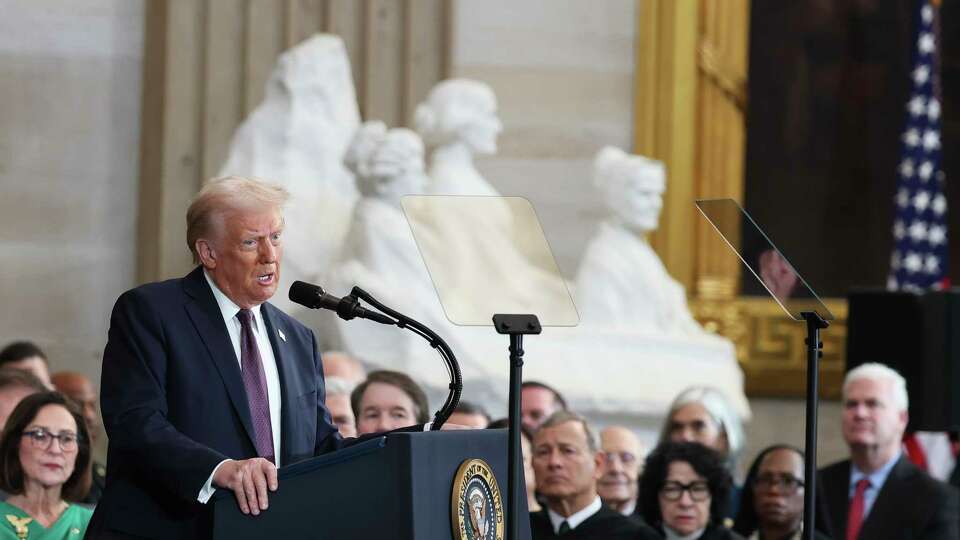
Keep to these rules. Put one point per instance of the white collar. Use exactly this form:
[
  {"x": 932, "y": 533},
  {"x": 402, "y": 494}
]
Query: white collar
[
  {"x": 576, "y": 518},
  {"x": 674, "y": 535},
  {"x": 228, "y": 309}
]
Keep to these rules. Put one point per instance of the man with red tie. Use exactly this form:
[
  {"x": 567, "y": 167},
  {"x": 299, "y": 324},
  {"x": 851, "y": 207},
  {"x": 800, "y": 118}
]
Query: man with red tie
[
  {"x": 878, "y": 494},
  {"x": 205, "y": 384}
]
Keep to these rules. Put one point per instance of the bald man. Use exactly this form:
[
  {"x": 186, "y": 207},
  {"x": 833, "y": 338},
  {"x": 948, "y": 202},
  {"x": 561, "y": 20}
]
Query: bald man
[
  {"x": 78, "y": 387},
  {"x": 343, "y": 366},
  {"x": 620, "y": 470}
]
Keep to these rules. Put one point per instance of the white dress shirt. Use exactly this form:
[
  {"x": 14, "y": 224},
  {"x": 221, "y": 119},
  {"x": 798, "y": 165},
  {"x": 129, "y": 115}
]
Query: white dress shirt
[
  {"x": 229, "y": 311},
  {"x": 575, "y": 518}
]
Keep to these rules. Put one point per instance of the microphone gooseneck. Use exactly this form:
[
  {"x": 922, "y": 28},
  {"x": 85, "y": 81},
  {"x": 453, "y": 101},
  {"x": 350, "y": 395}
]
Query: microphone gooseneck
[{"x": 348, "y": 307}]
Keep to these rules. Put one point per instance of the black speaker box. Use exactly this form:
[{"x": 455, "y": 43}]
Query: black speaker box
[{"x": 919, "y": 336}]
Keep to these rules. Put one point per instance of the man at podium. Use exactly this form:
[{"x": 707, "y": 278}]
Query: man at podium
[{"x": 205, "y": 384}]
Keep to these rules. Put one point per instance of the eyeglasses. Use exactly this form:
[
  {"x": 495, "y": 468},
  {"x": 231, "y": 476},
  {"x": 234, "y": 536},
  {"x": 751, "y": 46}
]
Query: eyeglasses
[
  {"x": 627, "y": 458},
  {"x": 787, "y": 483},
  {"x": 43, "y": 438},
  {"x": 673, "y": 491}
]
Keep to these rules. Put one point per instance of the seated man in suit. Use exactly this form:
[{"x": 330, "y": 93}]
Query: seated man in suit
[
  {"x": 338, "y": 403},
  {"x": 878, "y": 494},
  {"x": 623, "y": 455},
  {"x": 388, "y": 400},
  {"x": 566, "y": 462},
  {"x": 205, "y": 384},
  {"x": 537, "y": 402}
]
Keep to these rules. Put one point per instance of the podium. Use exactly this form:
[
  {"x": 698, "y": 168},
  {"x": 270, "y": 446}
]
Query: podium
[
  {"x": 400, "y": 485},
  {"x": 919, "y": 336}
]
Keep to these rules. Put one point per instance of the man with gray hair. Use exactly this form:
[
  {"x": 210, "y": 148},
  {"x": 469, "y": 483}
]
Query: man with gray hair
[
  {"x": 878, "y": 494},
  {"x": 205, "y": 384},
  {"x": 338, "y": 403},
  {"x": 567, "y": 463}
]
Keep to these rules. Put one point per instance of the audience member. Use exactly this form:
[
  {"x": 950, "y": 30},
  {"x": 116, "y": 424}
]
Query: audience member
[
  {"x": 388, "y": 400},
  {"x": 337, "y": 401},
  {"x": 43, "y": 453},
  {"x": 620, "y": 470},
  {"x": 771, "y": 507},
  {"x": 470, "y": 415},
  {"x": 28, "y": 357},
  {"x": 78, "y": 387},
  {"x": 703, "y": 414},
  {"x": 566, "y": 462},
  {"x": 537, "y": 402},
  {"x": 342, "y": 365},
  {"x": 877, "y": 494},
  {"x": 526, "y": 449},
  {"x": 684, "y": 490},
  {"x": 16, "y": 384}
]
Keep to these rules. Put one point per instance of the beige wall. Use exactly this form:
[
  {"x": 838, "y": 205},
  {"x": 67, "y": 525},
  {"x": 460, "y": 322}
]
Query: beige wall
[
  {"x": 69, "y": 129},
  {"x": 563, "y": 73}
]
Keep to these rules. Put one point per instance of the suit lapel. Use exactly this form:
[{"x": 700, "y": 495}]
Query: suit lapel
[
  {"x": 888, "y": 504},
  {"x": 285, "y": 367},
  {"x": 837, "y": 491},
  {"x": 207, "y": 319}
]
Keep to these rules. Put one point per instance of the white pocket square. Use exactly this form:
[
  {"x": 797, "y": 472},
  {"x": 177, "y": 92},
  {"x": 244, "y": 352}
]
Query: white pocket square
[{"x": 283, "y": 337}]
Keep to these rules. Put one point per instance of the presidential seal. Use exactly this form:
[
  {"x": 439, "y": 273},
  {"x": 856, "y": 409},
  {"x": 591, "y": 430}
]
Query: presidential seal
[{"x": 475, "y": 506}]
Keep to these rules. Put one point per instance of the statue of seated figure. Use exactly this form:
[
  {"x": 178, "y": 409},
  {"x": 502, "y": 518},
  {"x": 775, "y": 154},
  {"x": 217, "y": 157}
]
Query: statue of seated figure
[{"x": 621, "y": 282}]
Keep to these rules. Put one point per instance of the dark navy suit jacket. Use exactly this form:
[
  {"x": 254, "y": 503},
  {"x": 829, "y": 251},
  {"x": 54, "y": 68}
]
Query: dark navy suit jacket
[
  {"x": 911, "y": 505},
  {"x": 174, "y": 406}
]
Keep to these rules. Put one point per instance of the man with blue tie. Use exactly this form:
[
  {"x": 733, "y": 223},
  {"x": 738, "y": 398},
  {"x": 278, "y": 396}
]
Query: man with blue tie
[
  {"x": 205, "y": 384},
  {"x": 878, "y": 494}
]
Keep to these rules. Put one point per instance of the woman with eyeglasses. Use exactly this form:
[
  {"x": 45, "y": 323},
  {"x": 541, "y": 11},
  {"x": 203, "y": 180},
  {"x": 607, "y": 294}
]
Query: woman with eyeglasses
[
  {"x": 772, "y": 505},
  {"x": 683, "y": 492},
  {"x": 43, "y": 452}
]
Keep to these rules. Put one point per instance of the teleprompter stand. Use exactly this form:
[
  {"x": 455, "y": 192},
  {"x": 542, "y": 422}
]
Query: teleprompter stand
[
  {"x": 516, "y": 326},
  {"x": 779, "y": 278},
  {"x": 815, "y": 323}
]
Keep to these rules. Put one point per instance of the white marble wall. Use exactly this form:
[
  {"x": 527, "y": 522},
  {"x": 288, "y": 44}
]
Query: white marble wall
[
  {"x": 563, "y": 74},
  {"x": 69, "y": 133}
]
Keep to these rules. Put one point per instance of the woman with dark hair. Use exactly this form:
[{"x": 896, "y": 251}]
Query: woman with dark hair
[
  {"x": 44, "y": 452},
  {"x": 684, "y": 491},
  {"x": 772, "y": 503}
]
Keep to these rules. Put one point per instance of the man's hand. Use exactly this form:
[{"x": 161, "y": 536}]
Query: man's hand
[{"x": 249, "y": 480}]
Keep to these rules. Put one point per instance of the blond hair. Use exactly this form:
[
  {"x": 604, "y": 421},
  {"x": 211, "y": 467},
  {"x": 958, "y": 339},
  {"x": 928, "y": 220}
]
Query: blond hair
[{"x": 219, "y": 196}]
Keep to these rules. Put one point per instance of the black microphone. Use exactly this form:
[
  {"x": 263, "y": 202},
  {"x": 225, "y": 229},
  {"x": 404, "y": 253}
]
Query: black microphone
[{"x": 348, "y": 307}]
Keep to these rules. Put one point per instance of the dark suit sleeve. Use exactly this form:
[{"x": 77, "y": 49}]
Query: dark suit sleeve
[
  {"x": 328, "y": 437},
  {"x": 134, "y": 406},
  {"x": 945, "y": 522}
]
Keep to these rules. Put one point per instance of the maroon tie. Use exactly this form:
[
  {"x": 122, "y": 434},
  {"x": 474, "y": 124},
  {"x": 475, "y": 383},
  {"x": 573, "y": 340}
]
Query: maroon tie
[
  {"x": 255, "y": 383},
  {"x": 855, "y": 515}
]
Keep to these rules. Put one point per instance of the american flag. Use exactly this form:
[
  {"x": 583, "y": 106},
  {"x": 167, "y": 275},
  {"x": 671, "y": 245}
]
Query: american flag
[{"x": 919, "y": 260}]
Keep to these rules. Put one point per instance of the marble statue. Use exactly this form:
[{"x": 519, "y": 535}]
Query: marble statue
[
  {"x": 457, "y": 121},
  {"x": 380, "y": 255},
  {"x": 297, "y": 137},
  {"x": 637, "y": 345},
  {"x": 621, "y": 282}
]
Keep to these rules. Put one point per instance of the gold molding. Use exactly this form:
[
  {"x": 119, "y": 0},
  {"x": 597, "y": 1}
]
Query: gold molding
[{"x": 690, "y": 103}]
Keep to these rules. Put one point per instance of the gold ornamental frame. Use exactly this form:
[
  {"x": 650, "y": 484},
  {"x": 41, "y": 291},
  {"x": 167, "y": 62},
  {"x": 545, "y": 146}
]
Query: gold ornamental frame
[{"x": 689, "y": 106}]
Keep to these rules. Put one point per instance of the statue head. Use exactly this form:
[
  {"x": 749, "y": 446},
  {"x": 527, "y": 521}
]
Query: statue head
[
  {"x": 632, "y": 187},
  {"x": 460, "y": 110},
  {"x": 387, "y": 163}
]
